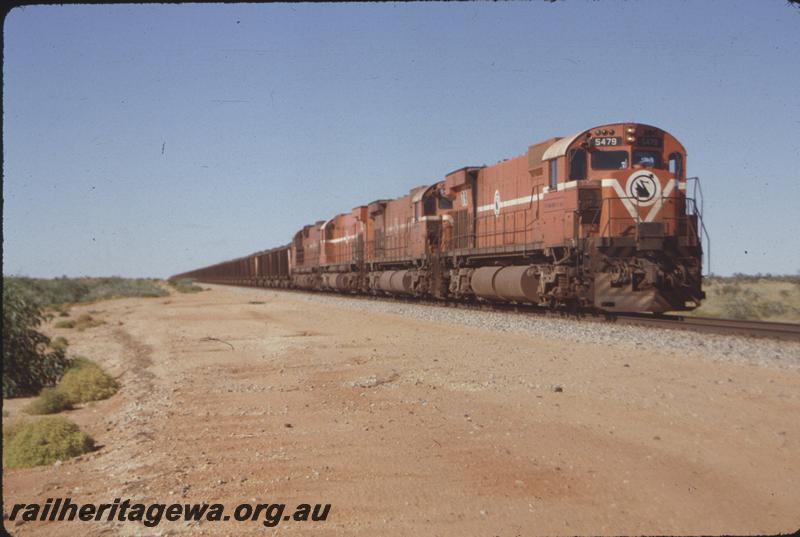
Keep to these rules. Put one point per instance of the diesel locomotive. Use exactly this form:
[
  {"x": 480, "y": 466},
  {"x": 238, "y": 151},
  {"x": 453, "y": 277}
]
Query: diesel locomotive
[{"x": 605, "y": 220}]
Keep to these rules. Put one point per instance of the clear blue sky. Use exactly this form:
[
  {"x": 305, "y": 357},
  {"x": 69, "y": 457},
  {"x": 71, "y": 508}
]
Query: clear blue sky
[{"x": 145, "y": 140}]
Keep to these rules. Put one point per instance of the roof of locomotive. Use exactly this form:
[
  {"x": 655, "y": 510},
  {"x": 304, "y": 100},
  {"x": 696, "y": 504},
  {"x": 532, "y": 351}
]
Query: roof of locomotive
[{"x": 559, "y": 148}]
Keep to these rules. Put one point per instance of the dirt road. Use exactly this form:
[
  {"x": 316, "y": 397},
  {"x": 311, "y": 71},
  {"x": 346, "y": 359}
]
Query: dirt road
[{"x": 413, "y": 428}]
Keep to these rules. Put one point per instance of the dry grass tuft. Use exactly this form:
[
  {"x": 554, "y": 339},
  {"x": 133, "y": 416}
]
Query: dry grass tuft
[
  {"x": 85, "y": 381},
  {"x": 43, "y": 441},
  {"x": 50, "y": 401}
]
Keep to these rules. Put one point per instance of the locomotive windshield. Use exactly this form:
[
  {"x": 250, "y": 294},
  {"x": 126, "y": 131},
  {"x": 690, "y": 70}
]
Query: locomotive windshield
[
  {"x": 649, "y": 159},
  {"x": 609, "y": 160}
]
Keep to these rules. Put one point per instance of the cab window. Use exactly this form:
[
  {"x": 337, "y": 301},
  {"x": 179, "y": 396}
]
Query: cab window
[
  {"x": 577, "y": 165},
  {"x": 553, "y": 174},
  {"x": 648, "y": 159},
  {"x": 430, "y": 206},
  {"x": 609, "y": 160},
  {"x": 675, "y": 164},
  {"x": 445, "y": 203}
]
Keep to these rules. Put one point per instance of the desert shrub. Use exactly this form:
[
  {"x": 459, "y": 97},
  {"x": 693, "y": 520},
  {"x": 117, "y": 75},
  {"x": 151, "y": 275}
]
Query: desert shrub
[
  {"x": 85, "y": 381},
  {"x": 29, "y": 363},
  {"x": 742, "y": 309},
  {"x": 750, "y": 294},
  {"x": 60, "y": 291},
  {"x": 50, "y": 401},
  {"x": 59, "y": 343},
  {"x": 85, "y": 321},
  {"x": 61, "y": 310},
  {"x": 10, "y": 429},
  {"x": 772, "y": 308},
  {"x": 754, "y": 297},
  {"x": 753, "y": 278},
  {"x": 115, "y": 287},
  {"x": 185, "y": 286},
  {"x": 43, "y": 441},
  {"x": 51, "y": 292},
  {"x": 729, "y": 289}
]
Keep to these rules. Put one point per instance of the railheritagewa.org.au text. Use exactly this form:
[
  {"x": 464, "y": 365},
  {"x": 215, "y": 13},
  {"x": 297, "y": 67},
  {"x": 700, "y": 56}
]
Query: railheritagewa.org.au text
[{"x": 65, "y": 510}]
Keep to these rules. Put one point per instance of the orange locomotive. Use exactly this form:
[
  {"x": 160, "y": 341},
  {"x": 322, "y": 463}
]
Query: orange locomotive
[{"x": 597, "y": 220}]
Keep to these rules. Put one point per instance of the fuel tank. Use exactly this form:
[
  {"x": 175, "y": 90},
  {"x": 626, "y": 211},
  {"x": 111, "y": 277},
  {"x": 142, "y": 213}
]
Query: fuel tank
[{"x": 517, "y": 283}]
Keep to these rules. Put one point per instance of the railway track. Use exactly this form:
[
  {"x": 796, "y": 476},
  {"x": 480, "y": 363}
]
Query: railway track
[
  {"x": 784, "y": 331},
  {"x": 711, "y": 325}
]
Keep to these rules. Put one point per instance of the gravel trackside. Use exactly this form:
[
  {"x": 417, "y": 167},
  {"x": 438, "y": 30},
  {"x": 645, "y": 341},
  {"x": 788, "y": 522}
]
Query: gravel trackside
[{"x": 756, "y": 351}]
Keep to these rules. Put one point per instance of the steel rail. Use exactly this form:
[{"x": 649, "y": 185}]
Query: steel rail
[{"x": 768, "y": 329}]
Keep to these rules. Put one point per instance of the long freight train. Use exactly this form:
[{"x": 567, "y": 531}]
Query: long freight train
[{"x": 600, "y": 220}]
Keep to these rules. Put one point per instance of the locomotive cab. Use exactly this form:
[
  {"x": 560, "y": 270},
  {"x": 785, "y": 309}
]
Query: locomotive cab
[{"x": 634, "y": 218}]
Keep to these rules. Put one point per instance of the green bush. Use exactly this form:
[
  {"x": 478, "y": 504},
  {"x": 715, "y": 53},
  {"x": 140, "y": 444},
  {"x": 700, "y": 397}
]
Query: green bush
[
  {"x": 52, "y": 292},
  {"x": 50, "y": 401},
  {"x": 43, "y": 441},
  {"x": 115, "y": 287},
  {"x": 85, "y": 381},
  {"x": 61, "y": 291},
  {"x": 28, "y": 362},
  {"x": 185, "y": 286}
]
